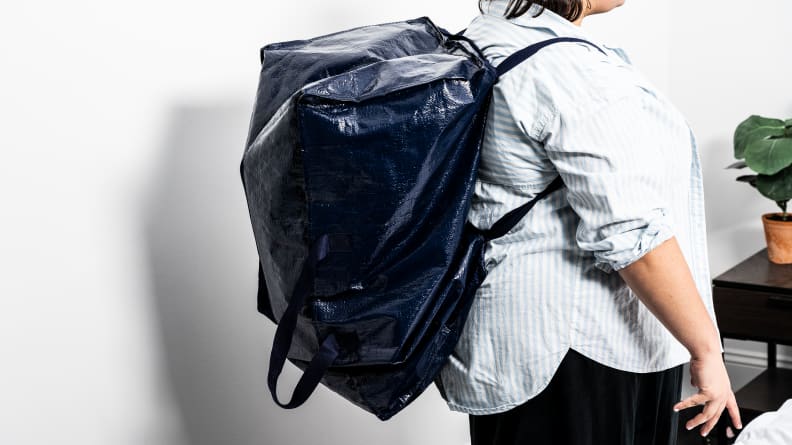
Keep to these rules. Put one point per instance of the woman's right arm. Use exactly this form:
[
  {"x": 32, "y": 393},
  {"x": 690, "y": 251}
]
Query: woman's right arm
[
  {"x": 614, "y": 149},
  {"x": 662, "y": 281},
  {"x": 619, "y": 151}
]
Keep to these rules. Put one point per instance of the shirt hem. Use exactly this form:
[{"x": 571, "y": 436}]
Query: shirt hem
[{"x": 453, "y": 406}]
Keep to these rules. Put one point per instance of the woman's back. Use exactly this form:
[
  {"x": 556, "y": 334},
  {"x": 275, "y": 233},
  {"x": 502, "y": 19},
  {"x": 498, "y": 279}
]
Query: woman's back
[{"x": 633, "y": 180}]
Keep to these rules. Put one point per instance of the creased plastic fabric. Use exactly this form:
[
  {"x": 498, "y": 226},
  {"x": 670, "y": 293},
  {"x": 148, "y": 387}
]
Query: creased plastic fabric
[{"x": 371, "y": 135}]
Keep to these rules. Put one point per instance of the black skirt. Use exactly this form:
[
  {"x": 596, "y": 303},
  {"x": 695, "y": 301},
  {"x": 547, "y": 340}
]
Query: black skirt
[{"x": 587, "y": 403}]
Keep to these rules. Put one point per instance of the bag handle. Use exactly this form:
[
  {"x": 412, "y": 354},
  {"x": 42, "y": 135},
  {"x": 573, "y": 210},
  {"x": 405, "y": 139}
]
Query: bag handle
[{"x": 329, "y": 349}]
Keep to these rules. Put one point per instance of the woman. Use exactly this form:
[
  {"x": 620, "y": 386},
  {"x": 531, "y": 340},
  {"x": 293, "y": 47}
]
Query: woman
[{"x": 596, "y": 299}]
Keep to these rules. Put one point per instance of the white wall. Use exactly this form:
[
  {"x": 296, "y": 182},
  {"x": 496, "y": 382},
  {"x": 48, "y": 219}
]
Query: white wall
[
  {"x": 728, "y": 61},
  {"x": 127, "y": 265}
]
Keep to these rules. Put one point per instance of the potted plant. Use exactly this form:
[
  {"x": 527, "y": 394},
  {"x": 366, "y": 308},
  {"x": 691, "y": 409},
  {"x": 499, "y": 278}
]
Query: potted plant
[{"x": 765, "y": 146}]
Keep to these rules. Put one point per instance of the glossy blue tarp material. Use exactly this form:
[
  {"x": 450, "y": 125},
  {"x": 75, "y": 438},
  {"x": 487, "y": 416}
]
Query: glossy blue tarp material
[{"x": 359, "y": 166}]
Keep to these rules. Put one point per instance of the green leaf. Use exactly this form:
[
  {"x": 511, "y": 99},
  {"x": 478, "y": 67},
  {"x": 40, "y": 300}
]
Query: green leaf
[
  {"x": 788, "y": 123},
  {"x": 738, "y": 164},
  {"x": 769, "y": 156},
  {"x": 750, "y": 179},
  {"x": 755, "y": 127},
  {"x": 777, "y": 187}
]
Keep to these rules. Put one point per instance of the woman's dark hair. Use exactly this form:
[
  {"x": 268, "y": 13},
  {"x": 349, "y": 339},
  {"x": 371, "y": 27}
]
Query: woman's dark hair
[{"x": 569, "y": 9}]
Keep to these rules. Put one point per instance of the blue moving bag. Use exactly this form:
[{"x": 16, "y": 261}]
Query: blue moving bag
[{"x": 359, "y": 167}]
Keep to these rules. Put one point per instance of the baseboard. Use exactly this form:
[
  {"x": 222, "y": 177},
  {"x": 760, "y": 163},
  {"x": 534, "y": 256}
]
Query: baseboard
[{"x": 747, "y": 357}]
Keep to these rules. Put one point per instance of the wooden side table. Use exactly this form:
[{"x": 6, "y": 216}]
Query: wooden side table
[{"x": 753, "y": 301}]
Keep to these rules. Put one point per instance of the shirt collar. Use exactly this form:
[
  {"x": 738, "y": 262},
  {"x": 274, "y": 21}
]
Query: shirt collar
[{"x": 549, "y": 20}]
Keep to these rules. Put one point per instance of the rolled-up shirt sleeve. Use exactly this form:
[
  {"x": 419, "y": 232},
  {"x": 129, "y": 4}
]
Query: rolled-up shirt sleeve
[{"x": 613, "y": 156}]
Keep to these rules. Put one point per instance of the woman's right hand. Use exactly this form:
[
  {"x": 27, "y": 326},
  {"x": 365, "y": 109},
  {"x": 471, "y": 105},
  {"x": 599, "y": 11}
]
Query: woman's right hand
[
  {"x": 663, "y": 282},
  {"x": 708, "y": 374}
]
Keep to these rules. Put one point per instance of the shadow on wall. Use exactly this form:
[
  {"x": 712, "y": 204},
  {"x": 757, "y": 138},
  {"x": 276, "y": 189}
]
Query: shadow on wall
[
  {"x": 733, "y": 212},
  {"x": 733, "y": 209},
  {"x": 202, "y": 265}
]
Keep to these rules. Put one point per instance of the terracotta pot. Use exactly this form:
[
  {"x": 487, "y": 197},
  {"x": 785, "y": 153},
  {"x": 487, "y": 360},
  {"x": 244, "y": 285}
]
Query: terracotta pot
[{"x": 778, "y": 235}]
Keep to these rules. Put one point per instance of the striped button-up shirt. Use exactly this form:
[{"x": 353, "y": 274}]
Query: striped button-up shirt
[{"x": 633, "y": 179}]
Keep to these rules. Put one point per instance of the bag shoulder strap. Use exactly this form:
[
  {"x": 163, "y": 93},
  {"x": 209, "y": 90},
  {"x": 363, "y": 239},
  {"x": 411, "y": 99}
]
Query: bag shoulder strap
[
  {"x": 509, "y": 220},
  {"x": 519, "y": 56}
]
